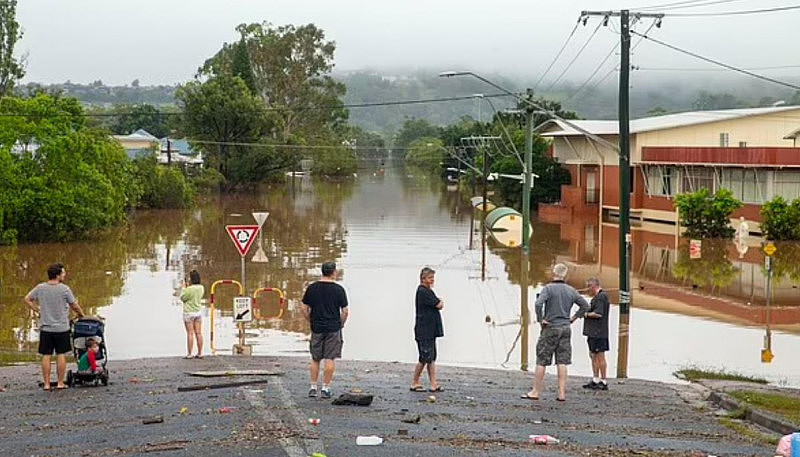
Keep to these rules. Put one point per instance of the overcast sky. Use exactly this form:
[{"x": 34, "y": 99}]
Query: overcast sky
[{"x": 164, "y": 41}]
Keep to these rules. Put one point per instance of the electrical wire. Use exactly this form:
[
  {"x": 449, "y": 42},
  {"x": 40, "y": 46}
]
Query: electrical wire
[
  {"x": 558, "y": 55},
  {"x": 271, "y": 109},
  {"x": 716, "y": 62},
  {"x": 735, "y": 13},
  {"x": 580, "y": 51},
  {"x": 508, "y": 135},
  {"x": 776, "y": 67},
  {"x": 689, "y": 3}
]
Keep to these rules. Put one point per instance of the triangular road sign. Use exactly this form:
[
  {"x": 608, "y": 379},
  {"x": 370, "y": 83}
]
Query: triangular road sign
[{"x": 242, "y": 236}]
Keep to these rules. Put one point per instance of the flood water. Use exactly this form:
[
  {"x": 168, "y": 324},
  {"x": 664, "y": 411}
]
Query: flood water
[{"x": 381, "y": 228}]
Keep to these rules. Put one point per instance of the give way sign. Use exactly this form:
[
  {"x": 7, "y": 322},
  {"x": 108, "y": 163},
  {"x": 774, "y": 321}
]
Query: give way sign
[{"x": 242, "y": 236}]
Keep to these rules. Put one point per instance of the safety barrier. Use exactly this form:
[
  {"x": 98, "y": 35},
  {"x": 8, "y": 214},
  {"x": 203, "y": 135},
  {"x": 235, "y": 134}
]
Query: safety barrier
[
  {"x": 211, "y": 300},
  {"x": 281, "y": 298}
]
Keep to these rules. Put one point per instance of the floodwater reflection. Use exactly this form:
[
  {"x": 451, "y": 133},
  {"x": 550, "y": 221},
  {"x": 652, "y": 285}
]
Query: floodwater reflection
[{"x": 382, "y": 228}]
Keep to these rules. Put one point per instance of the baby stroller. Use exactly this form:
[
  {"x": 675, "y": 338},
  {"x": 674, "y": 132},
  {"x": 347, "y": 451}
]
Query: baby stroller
[{"x": 83, "y": 329}]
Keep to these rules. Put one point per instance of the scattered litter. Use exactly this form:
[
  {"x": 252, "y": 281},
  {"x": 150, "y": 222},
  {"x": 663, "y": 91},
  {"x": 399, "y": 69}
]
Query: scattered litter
[
  {"x": 108, "y": 273},
  {"x": 350, "y": 399},
  {"x": 313, "y": 420},
  {"x": 227, "y": 409},
  {"x": 537, "y": 421},
  {"x": 318, "y": 454},
  {"x": 2, "y": 389},
  {"x": 167, "y": 446},
  {"x": 153, "y": 420},
  {"x": 369, "y": 440},
  {"x": 356, "y": 390},
  {"x": 470, "y": 398},
  {"x": 256, "y": 391},
  {"x": 183, "y": 410},
  {"x": 411, "y": 419},
  {"x": 228, "y": 373},
  {"x": 367, "y": 370},
  {"x": 543, "y": 439},
  {"x": 402, "y": 432},
  {"x": 432, "y": 399},
  {"x": 223, "y": 385}
]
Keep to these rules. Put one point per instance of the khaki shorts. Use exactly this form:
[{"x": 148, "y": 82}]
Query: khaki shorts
[
  {"x": 554, "y": 341},
  {"x": 326, "y": 346}
]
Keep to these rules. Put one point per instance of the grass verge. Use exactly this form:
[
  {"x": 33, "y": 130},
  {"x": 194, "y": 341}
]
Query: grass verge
[
  {"x": 786, "y": 406},
  {"x": 696, "y": 374},
  {"x": 745, "y": 430}
]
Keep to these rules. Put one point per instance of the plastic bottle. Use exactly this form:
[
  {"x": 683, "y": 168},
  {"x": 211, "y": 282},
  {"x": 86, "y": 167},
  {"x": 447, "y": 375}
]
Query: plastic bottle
[
  {"x": 369, "y": 440},
  {"x": 796, "y": 444},
  {"x": 543, "y": 439}
]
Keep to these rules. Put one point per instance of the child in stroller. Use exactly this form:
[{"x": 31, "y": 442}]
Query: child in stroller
[{"x": 89, "y": 345}]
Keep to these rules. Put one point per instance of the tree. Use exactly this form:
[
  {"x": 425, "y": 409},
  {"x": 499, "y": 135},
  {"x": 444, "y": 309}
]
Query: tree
[
  {"x": 414, "y": 129},
  {"x": 241, "y": 66},
  {"x": 705, "y": 215},
  {"x": 708, "y": 101},
  {"x": 781, "y": 219},
  {"x": 134, "y": 117},
  {"x": 11, "y": 69},
  {"x": 223, "y": 111},
  {"x": 426, "y": 152},
  {"x": 291, "y": 67}
]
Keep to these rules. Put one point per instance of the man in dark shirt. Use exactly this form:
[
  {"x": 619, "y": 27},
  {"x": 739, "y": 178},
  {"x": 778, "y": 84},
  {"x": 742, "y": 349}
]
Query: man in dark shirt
[
  {"x": 595, "y": 328},
  {"x": 325, "y": 308},
  {"x": 428, "y": 327}
]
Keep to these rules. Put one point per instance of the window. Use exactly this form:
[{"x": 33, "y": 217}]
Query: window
[
  {"x": 697, "y": 178},
  {"x": 743, "y": 144},
  {"x": 787, "y": 184},
  {"x": 749, "y": 186},
  {"x": 724, "y": 140},
  {"x": 662, "y": 180}
]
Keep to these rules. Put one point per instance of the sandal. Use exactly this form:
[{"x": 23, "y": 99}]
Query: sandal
[
  {"x": 198, "y": 356},
  {"x": 437, "y": 389},
  {"x": 561, "y": 399},
  {"x": 525, "y": 396},
  {"x": 188, "y": 357},
  {"x": 417, "y": 389},
  {"x": 61, "y": 387},
  {"x": 46, "y": 389}
]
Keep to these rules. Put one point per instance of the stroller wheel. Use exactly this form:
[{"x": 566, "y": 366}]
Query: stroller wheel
[
  {"x": 104, "y": 379},
  {"x": 70, "y": 378}
]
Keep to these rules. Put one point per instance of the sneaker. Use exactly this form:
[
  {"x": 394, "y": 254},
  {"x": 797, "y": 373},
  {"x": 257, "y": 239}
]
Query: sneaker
[
  {"x": 591, "y": 385},
  {"x": 326, "y": 393},
  {"x": 602, "y": 386},
  {"x": 312, "y": 392}
]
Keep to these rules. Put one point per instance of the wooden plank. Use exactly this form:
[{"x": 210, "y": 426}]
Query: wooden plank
[{"x": 223, "y": 385}]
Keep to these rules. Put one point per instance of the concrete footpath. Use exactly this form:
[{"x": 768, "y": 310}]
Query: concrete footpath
[{"x": 479, "y": 413}]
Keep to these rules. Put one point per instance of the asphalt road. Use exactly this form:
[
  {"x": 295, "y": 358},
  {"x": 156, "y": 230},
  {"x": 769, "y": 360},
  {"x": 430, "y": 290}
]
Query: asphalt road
[{"x": 479, "y": 413}]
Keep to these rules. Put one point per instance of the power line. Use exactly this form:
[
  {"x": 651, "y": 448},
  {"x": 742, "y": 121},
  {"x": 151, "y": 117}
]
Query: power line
[
  {"x": 564, "y": 46},
  {"x": 776, "y": 67},
  {"x": 269, "y": 109},
  {"x": 735, "y": 13},
  {"x": 716, "y": 62},
  {"x": 580, "y": 51},
  {"x": 689, "y": 3}
]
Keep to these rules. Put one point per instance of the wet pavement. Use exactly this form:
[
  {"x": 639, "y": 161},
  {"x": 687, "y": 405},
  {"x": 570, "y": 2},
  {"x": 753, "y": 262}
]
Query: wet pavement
[{"x": 479, "y": 413}]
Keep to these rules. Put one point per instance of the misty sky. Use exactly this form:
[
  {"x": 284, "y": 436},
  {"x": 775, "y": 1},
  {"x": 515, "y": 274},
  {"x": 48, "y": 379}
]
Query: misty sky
[{"x": 164, "y": 41}]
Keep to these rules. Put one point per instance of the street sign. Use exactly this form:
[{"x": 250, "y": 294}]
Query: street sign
[
  {"x": 260, "y": 217},
  {"x": 766, "y": 356},
  {"x": 695, "y": 247},
  {"x": 770, "y": 249},
  {"x": 242, "y": 309},
  {"x": 242, "y": 236},
  {"x": 768, "y": 263}
]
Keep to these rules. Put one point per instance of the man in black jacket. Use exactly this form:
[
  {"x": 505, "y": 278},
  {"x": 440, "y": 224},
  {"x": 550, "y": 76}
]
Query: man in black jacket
[{"x": 428, "y": 327}]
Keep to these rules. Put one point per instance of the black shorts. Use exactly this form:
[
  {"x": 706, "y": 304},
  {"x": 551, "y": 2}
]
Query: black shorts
[
  {"x": 326, "y": 346},
  {"x": 597, "y": 344},
  {"x": 427, "y": 350},
  {"x": 54, "y": 341}
]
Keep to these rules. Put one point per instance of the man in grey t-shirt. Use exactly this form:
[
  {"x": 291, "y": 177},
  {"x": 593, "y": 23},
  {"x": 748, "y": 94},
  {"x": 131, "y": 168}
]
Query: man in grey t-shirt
[{"x": 52, "y": 301}]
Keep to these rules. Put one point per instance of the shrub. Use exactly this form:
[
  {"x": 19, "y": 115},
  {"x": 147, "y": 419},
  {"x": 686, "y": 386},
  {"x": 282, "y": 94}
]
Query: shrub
[
  {"x": 162, "y": 187},
  {"x": 781, "y": 219},
  {"x": 705, "y": 215}
]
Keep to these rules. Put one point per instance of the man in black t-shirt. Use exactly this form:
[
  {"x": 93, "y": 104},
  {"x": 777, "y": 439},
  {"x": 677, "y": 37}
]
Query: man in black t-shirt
[
  {"x": 325, "y": 308},
  {"x": 595, "y": 328},
  {"x": 428, "y": 327}
]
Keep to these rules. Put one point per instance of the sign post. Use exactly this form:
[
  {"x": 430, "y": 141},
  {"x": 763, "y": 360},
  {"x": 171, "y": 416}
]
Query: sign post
[
  {"x": 766, "y": 353},
  {"x": 242, "y": 237}
]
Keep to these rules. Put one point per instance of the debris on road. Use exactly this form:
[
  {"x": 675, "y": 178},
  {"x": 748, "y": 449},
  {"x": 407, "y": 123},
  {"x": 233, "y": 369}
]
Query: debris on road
[
  {"x": 228, "y": 373},
  {"x": 402, "y": 432},
  {"x": 543, "y": 439},
  {"x": 227, "y": 409},
  {"x": 222, "y": 385},
  {"x": 432, "y": 399},
  {"x": 313, "y": 420},
  {"x": 350, "y": 399},
  {"x": 153, "y": 420},
  {"x": 369, "y": 440},
  {"x": 411, "y": 419},
  {"x": 183, "y": 410}
]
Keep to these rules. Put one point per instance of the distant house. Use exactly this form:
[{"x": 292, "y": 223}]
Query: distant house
[
  {"x": 179, "y": 151},
  {"x": 138, "y": 144}
]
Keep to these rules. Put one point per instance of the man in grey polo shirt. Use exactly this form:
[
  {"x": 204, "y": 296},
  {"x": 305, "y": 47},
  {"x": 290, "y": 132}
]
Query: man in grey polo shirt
[
  {"x": 553, "y": 307},
  {"x": 52, "y": 301}
]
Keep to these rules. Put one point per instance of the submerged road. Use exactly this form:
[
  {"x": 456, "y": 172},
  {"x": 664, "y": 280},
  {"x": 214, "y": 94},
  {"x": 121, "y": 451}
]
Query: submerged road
[{"x": 479, "y": 413}]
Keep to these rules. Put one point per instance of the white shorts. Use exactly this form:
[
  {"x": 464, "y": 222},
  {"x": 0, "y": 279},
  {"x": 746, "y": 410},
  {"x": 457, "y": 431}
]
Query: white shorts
[{"x": 193, "y": 317}]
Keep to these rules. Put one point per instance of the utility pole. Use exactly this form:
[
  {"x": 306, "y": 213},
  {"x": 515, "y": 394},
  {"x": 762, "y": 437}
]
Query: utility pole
[
  {"x": 169, "y": 153},
  {"x": 624, "y": 181},
  {"x": 484, "y": 206},
  {"x": 526, "y": 183}
]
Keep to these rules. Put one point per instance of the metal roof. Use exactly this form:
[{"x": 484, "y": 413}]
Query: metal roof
[{"x": 648, "y": 124}]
